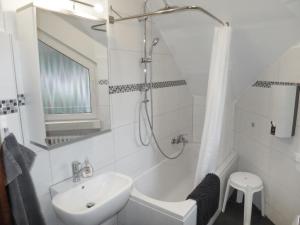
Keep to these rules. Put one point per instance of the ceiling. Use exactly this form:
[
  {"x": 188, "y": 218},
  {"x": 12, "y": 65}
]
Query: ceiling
[
  {"x": 262, "y": 31},
  {"x": 84, "y": 25}
]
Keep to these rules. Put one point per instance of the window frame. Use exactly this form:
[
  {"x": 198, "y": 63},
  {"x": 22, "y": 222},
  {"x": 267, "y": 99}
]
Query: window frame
[{"x": 82, "y": 60}]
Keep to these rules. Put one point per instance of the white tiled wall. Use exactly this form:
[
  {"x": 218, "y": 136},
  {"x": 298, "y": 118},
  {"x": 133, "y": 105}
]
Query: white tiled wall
[
  {"x": 120, "y": 149},
  {"x": 261, "y": 153},
  {"x": 1, "y": 18},
  {"x": 7, "y": 83}
]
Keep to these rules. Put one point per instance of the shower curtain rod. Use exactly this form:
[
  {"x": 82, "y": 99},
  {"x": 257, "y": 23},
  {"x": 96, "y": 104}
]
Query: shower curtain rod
[{"x": 166, "y": 10}]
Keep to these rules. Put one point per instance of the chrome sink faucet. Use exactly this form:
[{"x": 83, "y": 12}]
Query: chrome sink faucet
[
  {"x": 76, "y": 171},
  {"x": 79, "y": 171}
]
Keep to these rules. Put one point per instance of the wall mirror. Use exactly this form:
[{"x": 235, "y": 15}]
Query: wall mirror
[{"x": 65, "y": 76}]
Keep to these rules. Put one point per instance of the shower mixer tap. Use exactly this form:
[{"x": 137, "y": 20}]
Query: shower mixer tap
[
  {"x": 144, "y": 88},
  {"x": 179, "y": 139}
]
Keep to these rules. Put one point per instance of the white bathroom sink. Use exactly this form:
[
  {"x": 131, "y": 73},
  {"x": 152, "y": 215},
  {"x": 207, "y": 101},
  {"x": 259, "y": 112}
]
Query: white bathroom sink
[{"x": 93, "y": 201}]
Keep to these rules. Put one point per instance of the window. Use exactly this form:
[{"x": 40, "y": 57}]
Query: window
[{"x": 67, "y": 81}]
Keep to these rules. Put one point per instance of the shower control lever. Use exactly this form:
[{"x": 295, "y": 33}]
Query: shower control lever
[
  {"x": 174, "y": 141},
  {"x": 179, "y": 139}
]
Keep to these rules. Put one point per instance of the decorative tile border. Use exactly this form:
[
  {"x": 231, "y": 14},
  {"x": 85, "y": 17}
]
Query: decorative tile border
[
  {"x": 103, "y": 82},
  {"x": 262, "y": 84},
  {"x": 268, "y": 84},
  {"x": 8, "y": 106},
  {"x": 11, "y": 105},
  {"x": 138, "y": 87},
  {"x": 125, "y": 88},
  {"x": 168, "y": 84},
  {"x": 21, "y": 99}
]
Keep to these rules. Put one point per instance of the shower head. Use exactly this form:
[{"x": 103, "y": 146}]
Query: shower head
[{"x": 155, "y": 41}]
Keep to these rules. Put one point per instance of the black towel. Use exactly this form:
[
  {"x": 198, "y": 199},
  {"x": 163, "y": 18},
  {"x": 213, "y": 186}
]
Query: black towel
[{"x": 207, "y": 195}]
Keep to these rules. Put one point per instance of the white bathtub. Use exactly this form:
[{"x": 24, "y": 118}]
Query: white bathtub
[{"x": 159, "y": 194}]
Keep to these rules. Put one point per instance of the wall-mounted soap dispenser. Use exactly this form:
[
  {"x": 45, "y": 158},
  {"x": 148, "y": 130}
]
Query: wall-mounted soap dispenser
[{"x": 284, "y": 110}]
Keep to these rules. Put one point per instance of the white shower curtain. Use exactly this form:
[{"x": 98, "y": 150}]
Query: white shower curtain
[{"x": 215, "y": 104}]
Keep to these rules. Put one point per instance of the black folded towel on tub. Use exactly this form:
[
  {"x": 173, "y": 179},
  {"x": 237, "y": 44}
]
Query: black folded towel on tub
[{"x": 207, "y": 195}]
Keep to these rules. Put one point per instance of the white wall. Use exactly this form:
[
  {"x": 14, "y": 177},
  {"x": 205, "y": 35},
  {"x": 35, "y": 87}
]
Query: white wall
[
  {"x": 13, "y": 5},
  {"x": 118, "y": 150},
  {"x": 7, "y": 84},
  {"x": 1, "y": 18},
  {"x": 265, "y": 155}
]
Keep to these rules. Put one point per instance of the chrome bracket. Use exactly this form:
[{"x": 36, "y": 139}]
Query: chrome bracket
[
  {"x": 142, "y": 19},
  {"x": 146, "y": 60},
  {"x": 111, "y": 19}
]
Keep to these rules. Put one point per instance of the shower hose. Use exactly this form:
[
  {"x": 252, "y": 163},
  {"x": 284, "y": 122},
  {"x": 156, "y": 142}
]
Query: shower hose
[{"x": 150, "y": 122}]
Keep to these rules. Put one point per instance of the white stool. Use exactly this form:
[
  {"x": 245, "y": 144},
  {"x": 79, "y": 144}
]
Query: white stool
[{"x": 248, "y": 184}]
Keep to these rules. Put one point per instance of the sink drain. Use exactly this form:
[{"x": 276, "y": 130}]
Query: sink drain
[{"x": 90, "y": 205}]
